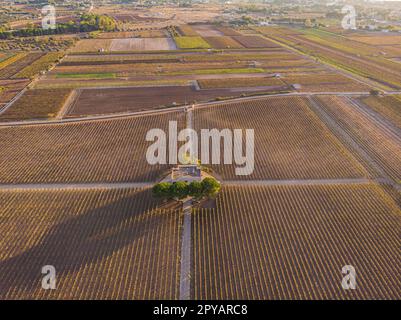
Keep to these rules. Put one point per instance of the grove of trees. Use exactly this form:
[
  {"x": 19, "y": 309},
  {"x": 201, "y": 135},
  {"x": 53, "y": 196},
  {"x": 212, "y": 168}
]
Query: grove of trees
[{"x": 207, "y": 188}]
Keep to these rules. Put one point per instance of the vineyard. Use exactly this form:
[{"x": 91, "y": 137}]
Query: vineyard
[
  {"x": 240, "y": 82},
  {"x": 11, "y": 88},
  {"x": 291, "y": 242},
  {"x": 42, "y": 64},
  {"x": 325, "y": 83},
  {"x": 37, "y": 104},
  {"x": 388, "y": 106},
  {"x": 290, "y": 141},
  {"x": 104, "y": 244},
  {"x": 20, "y": 63},
  {"x": 89, "y": 151},
  {"x": 254, "y": 42},
  {"x": 377, "y": 139},
  {"x": 222, "y": 42},
  {"x": 337, "y": 51}
]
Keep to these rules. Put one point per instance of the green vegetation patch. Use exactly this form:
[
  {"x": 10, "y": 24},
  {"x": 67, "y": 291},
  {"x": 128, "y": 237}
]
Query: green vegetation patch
[{"x": 191, "y": 43}]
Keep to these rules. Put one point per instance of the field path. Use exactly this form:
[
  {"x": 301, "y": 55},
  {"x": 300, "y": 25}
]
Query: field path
[{"x": 186, "y": 248}]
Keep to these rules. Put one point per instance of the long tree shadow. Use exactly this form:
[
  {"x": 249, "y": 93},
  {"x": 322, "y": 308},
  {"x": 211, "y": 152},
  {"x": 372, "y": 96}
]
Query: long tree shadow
[{"x": 82, "y": 240}]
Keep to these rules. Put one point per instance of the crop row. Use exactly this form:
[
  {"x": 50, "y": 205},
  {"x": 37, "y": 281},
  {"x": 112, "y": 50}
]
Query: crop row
[
  {"x": 103, "y": 243},
  {"x": 37, "y": 104},
  {"x": 291, "y": 242},
  {"x": 387, "y": 106},
  {"x": 88, "y": 151},
  {"x": 381, "y": 144},
  {"x": 290, "y": 141},
  {"x": 23, "y": 61},
  {"x": 41, "y": 64}
]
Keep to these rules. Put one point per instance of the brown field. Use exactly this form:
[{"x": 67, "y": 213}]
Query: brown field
[
  {"x": 187, "y": 30},
  {"x": 111, "y": 100},
  {"x": 378, "y": 40},
  {"x": 92, "y": 45},
  {"x": 290, "y": 141},
  {"x": 117, "y": 58},
  {"x": 104, "y": 244},
  {"x": 90, "y": 151},
  {"x": 291, "y": 242},
  {"x": 207, "y": 31},
  {"x": 223, "y": 42},
  {"x": 387, "y": 106},
  {"x": 227, "y": 31},
  {"x": 37, "y": 104},
  {"x": 142, "y": 44},
  {"x": 132, "y": 34},
  {"x": 325, "y": 82},
  {"x": 383, "y": 146},
  {"x": 13, "y": 68},
  {"x": 240, "y": 82},
  {"x": 255, "y": 42},
  {"x": 11, "y": 88}
]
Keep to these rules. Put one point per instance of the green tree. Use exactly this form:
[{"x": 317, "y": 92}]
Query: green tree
[
  {"x": 195, "y": 189},
  {"x": 179, "y": 189},
  {"x": 161, "y": 190},
  {"x": 210, "y": 187}
]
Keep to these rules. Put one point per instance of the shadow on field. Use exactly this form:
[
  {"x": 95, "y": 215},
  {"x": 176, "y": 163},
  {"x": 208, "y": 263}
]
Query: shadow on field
[{"x": 79, "y": 241}]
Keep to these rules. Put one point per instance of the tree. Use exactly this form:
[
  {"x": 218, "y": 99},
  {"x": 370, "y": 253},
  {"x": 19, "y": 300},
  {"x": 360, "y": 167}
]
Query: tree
[
  {"x": 195, "y": 189},
  {"x": 210, "y": 187},
  {"x": 161, "y": 190},
  {"x": 179, "y": 189}
]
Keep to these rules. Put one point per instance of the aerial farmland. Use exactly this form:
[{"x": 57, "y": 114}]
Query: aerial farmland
[{"x": 313, "y": 110}]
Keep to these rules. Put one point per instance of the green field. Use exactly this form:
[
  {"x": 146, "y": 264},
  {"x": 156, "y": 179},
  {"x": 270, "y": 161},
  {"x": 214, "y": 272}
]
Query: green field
[{"x": 191, "y": 43}]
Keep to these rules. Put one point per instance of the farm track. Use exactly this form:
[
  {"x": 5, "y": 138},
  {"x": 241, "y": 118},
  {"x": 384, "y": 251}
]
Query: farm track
[{"x": 69, "y": 104}]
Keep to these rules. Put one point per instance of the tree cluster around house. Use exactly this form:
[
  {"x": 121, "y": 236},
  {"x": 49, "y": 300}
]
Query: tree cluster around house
[{"x": 207, "y": 188}]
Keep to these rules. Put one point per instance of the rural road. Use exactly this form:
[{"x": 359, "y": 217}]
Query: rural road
[{"x": 186, "y": 246}]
